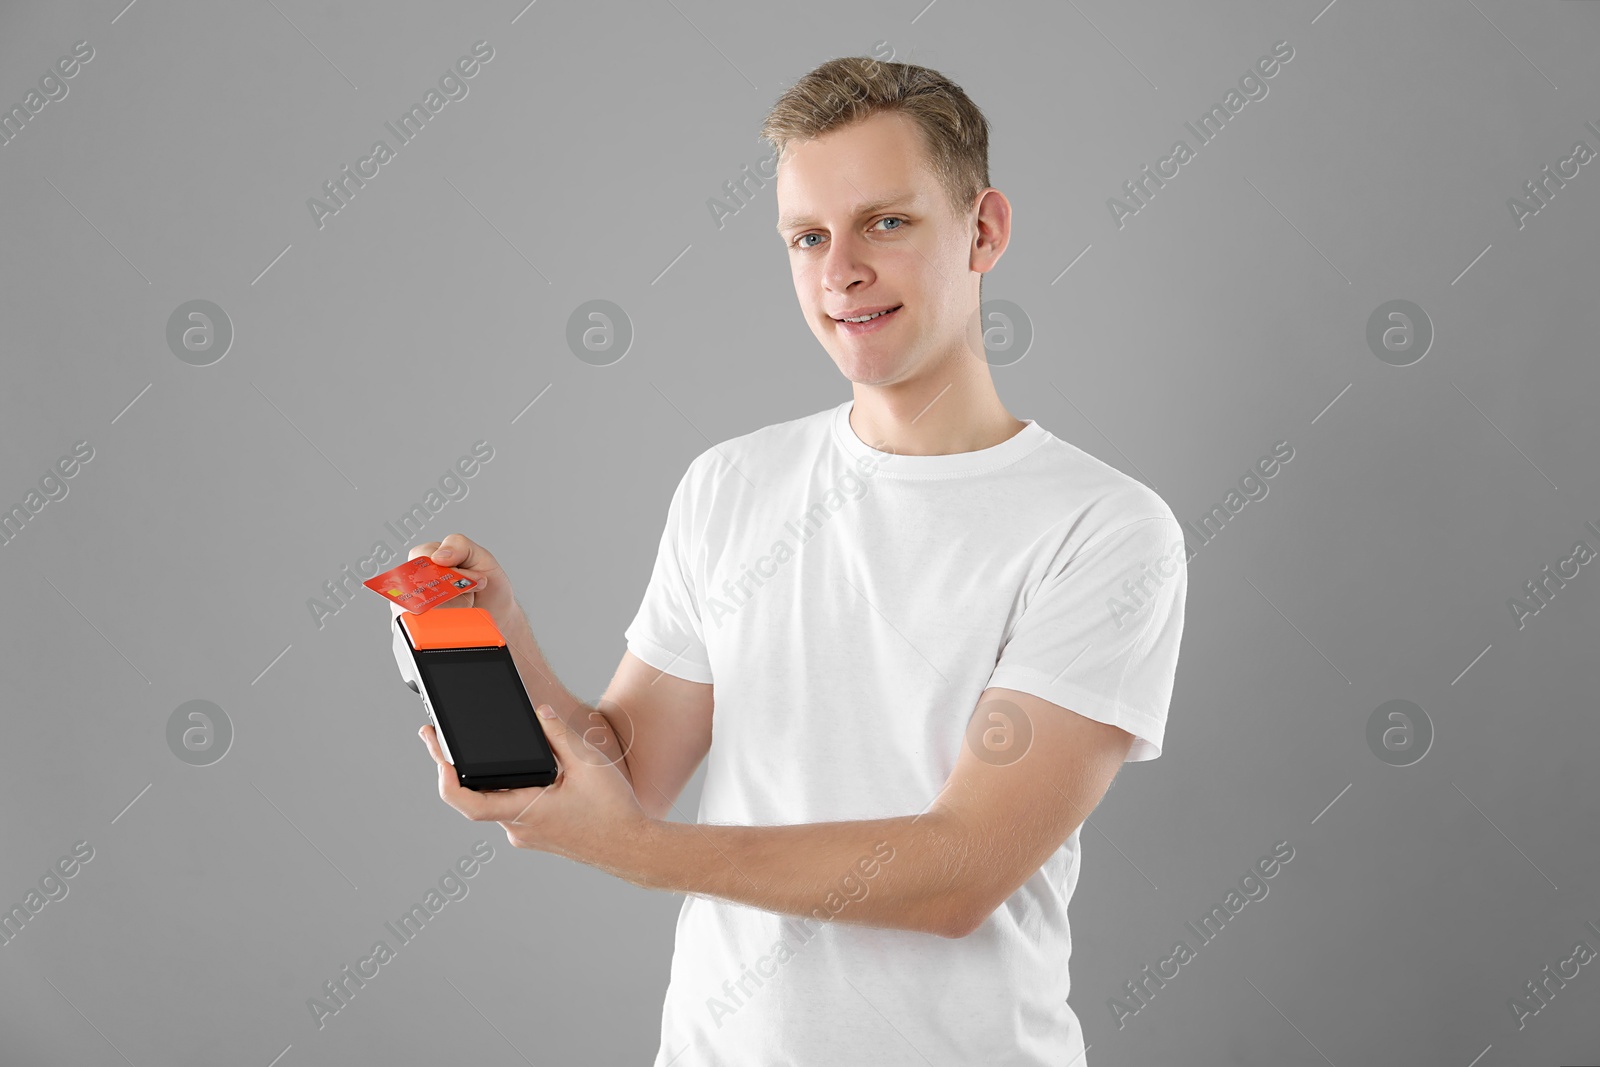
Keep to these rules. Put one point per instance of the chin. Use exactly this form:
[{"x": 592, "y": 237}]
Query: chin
[{"x": 868, "y": 373}]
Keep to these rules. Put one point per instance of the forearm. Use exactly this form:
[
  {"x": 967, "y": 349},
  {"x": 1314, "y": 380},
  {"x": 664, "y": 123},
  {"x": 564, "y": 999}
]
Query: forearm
[
  {"x": 543, "y": 687},
  {"x": 908, "y": 873}
]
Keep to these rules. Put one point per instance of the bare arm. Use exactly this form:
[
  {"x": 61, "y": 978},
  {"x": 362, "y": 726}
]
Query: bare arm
[{"x": 943, "y": 871}]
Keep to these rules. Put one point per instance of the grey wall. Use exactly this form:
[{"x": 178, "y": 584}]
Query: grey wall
[{"x": 1229, "y": 313}]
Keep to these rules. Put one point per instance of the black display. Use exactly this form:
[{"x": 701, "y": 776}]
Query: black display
[{"x": 488, "y": 720}]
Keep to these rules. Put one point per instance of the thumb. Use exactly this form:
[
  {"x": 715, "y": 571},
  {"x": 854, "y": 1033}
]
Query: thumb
[{"x": 562, "y": 740}]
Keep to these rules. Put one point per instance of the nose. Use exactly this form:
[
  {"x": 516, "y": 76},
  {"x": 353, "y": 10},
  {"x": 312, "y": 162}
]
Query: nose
[{"x": 843, "y": 264}]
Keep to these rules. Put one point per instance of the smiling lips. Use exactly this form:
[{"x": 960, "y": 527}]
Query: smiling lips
[
  {"x": 879, "y": 316},
  {"x": 863, "y": 312}
]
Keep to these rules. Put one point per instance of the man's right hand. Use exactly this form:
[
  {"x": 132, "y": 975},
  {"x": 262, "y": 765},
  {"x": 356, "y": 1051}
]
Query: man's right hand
[{"x": 493, "y": 591}]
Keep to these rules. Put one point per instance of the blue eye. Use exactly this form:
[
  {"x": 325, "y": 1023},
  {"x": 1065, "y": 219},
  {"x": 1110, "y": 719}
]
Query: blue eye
[{"x": 886, "y": 218}]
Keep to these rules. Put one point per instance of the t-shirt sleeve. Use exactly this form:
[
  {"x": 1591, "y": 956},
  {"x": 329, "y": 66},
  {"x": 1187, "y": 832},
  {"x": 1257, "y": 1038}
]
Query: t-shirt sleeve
[
  {"x": 1100, "y": 635},
  {"x": 666, "y": 632}
]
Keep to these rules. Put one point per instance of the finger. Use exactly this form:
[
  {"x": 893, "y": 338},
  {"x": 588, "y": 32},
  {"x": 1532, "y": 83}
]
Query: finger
[
  {"x": 479, "y": 807},
  {"x": 460, "y": 553},
  {"x": 480, "y": 578},
  {"x": 464, "y": 557},
  {"x": 562, "y": 740},
  {"x": 451, "y": 791},
  {"x": 457, "y": 551},
  {"x": 483, "y": 807},
  {"x": 430, "y": 739}
]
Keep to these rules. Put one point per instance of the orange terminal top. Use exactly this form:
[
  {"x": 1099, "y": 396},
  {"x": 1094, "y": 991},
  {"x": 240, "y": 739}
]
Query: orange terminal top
[{"x": 452, "y": 628}]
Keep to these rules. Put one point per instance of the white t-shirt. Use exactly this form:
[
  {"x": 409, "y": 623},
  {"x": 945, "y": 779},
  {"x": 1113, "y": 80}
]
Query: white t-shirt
[{"x": 851, "y": 606}]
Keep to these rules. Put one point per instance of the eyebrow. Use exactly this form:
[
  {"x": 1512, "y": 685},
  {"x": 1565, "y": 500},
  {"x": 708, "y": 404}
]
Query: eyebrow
[{"x": 893, "y": 199}]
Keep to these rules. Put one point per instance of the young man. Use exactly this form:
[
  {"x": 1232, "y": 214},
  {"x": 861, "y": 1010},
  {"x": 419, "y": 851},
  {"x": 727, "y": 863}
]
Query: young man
[{"x": 934, "y": 632}]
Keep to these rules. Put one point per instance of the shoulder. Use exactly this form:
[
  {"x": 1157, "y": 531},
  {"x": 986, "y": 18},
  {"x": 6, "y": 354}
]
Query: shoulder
[{"x": 1097, "y": 498}]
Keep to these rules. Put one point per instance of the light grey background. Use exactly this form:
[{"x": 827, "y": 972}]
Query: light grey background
[{"x": 1229, "y": 314}]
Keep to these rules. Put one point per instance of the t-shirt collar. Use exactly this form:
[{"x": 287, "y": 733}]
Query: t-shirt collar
[{"x": 1013, "y": 448}]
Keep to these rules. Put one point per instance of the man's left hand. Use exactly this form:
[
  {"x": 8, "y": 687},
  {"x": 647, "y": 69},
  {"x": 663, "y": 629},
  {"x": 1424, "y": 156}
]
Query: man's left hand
[{"x": 587, "y": 814}]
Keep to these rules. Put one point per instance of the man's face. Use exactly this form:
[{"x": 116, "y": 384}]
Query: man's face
[{"x": 868, "y": 226}]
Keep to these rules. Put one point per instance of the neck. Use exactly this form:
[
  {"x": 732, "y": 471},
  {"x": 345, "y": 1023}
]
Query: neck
[{"x": 955, "y": 409}]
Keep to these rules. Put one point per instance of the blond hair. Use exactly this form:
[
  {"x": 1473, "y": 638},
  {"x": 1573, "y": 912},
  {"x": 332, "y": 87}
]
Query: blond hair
[{"x": 853, "y": 88}]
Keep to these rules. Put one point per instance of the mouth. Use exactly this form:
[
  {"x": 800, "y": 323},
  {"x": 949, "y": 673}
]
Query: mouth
[{"x": 868, "y": 321}]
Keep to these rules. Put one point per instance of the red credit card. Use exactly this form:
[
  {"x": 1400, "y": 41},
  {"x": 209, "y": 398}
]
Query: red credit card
[{"x": 419, "y": 584}]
